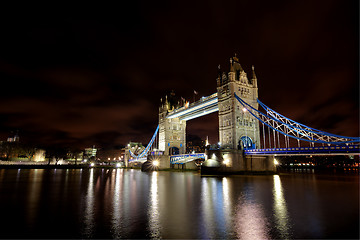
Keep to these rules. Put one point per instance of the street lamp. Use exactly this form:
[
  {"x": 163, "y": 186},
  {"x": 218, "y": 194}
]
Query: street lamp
[{"x": 276, "y": 162}]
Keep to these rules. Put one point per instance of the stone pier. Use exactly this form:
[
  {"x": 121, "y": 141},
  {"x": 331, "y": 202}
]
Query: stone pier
[{"x": 235, "y": 162}]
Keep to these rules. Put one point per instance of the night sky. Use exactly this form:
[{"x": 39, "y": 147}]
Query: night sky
[{"x": 94, "y": 75}]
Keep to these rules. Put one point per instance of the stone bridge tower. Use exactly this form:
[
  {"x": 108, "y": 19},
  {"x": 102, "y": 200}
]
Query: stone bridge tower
[
  {"x": 172, "y": 132},
  {"x": 237, "y": 128}
]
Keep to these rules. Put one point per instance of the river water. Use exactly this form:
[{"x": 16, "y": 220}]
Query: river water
[{"x": 119, "y": 203}]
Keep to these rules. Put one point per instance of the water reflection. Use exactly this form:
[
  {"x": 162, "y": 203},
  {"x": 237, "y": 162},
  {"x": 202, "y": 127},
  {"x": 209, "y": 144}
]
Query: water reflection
[
  {"x": 207, "y": 208},
  {"x": 35, "y": 182},
  {"x": 280, "y": 209},
  {"x": 89, "y": 208},
  {"x": 132, "y": 204},
  {"x": 216, "y": 208},
  {"x": 227, "y": 202},
  {"x": 117, "y": 201},
  {"x": 250, "y": 219},
  {"x": 153, "y": 212}
]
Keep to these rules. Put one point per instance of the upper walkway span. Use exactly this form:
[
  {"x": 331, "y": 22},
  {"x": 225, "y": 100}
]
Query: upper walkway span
[{"x": 204, "y": 106}]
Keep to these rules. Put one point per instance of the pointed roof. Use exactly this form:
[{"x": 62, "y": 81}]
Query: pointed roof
[{"x": 253, "y": 72}]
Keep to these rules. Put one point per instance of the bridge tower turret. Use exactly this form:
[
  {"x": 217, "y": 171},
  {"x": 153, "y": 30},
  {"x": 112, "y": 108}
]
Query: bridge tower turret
[
  {"x": 172, "y": 132},
  {"x": 237, "y": 128}
]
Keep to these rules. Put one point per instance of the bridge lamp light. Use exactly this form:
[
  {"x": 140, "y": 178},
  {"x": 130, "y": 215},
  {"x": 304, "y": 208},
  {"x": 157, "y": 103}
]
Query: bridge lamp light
[
  {"x": 276, "y": 162},
  {"x": 92, "y": 164},
  {"x": 244, "y": 109},
  {"x": 226, "y": 162},
  {"x": 118, "y": 165},
  {"x": 155, "y": 163}
]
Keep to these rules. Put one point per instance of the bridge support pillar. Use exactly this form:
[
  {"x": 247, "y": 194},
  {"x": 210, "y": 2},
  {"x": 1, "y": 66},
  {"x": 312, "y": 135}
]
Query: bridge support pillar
[
  {"x": 220, "y": 162},
  {"x": 163, "y": 163}
]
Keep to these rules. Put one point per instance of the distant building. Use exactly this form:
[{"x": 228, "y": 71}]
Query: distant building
[
  {"x": 195, "y": 146},
  {"x": 14, "y": 138},
  {"x": 90, "y": 152}
]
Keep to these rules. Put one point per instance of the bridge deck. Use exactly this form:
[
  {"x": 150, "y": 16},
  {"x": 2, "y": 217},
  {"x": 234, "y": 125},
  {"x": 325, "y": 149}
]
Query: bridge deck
[
  {"x": 332, "y": 150},
  {"x": 185, "y": 158},
  {"x": 135, "y": 160}
]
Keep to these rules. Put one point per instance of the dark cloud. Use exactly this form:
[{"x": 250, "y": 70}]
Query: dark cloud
[{"x": 95, "y": 74}]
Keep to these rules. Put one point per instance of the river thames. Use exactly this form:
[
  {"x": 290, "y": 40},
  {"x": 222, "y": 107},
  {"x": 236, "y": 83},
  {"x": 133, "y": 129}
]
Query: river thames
[{"x": 128, "y": 203}]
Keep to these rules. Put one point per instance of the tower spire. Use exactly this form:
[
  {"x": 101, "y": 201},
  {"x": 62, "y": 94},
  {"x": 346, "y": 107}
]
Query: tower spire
[
  {"x": 254, "y": 79},
  {"x": 253, "y": 72}
]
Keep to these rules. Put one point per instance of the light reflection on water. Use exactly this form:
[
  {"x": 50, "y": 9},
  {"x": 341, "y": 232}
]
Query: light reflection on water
[
  {"x": 154, "y": 213},
  {"x": 35, "y": 187},
  {"x": 250, "y": 220},
  {"x": 88, "y": 229},
  {"x": 117, "y": 203},
  {"x": 122, "y": 203},
  {"x": 227, "y": 200},
  {"x": 207, "y": 210},
  {"x": 280, "y": 209},
  {"x": 216, "y": 210}
]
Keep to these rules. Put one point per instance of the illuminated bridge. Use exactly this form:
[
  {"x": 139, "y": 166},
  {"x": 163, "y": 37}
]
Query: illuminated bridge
[
  {"x": 276, "y": 123},
  {"x": 245, "y": 124}
]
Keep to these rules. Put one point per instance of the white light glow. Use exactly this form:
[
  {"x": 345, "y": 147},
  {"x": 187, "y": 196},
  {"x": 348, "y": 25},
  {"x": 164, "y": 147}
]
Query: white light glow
[
  {"x": 118, "y": 165},
  {"x": 92, "y": 164},
  {"x": 276, "y": 162},
  {"x": 155, "y": 163}
]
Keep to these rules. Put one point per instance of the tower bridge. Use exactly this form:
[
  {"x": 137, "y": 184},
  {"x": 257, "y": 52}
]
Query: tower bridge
[{"x": 250, "y": 133}]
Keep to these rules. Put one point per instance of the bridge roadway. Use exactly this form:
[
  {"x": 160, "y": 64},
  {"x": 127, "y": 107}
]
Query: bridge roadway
[
  {"x": 135, "y": 160},
  {"x": 329, "y": 151},
  {"x": 204, "y": 106},
  {"x": 185, "y": 158}
]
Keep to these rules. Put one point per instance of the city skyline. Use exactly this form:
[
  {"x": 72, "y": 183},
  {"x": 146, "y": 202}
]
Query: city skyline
[{"x": 96, "y": 77}]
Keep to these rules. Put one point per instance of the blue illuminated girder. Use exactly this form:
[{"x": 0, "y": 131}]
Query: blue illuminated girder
[
  {"x": 146, "y": 150},
  {"x": 292, "y": 129},
  {"x": 330, "y": 150}
]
